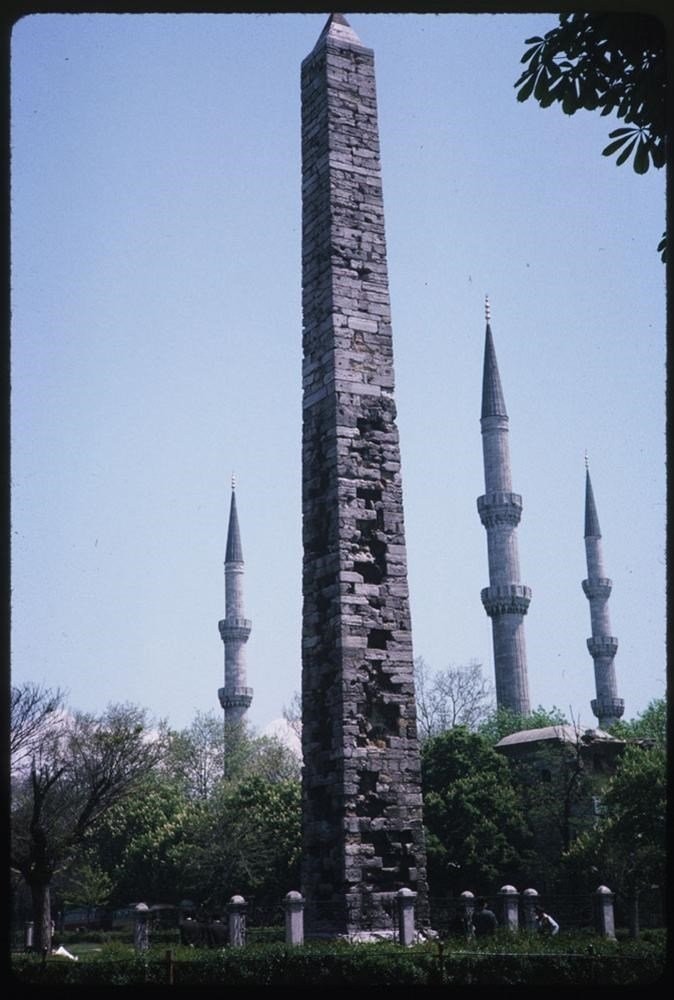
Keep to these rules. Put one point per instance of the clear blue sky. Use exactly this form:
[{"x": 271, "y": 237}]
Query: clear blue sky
[{"x": 156, "y": 348}]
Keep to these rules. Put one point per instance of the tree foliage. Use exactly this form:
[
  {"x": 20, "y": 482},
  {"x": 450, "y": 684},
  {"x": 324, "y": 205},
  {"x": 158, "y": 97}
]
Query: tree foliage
[
  {"x": 456, "y": 696},
  {"x": 143, "y": 841},
  {"x": 187, "y": 833},
  {"x": 246, "y": 841},
  {"x": 82, "y": 766},
  {"x": 555, "y": 786},
  {"x": 610, "y": 62},
  {"x": 196, "y": 755},
  {"x": 627, "y": 848},
  {"x": 503, "y": 721},
  {"x": 86, "y": 885},
  {"x": 651, "y": 725},
  {"x": 476, "y": 831}
]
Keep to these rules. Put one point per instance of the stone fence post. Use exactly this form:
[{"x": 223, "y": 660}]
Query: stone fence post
[
  {"x": 529, "y": 904},
  {"x": 140, "y": 927},
  {"x": 237, "y": 921},
  {"x": 468, "y": 909},
  {"x": 406, "y": 899},
  {"x": 509, "y": 907},
  {"x": 604, "y": 917},
  {"x": 294, "y": 907}
]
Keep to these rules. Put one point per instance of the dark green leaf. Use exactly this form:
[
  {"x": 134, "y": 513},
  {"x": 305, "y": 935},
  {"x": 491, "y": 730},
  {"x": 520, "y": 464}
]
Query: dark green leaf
[
  {"x": 569, "y": 103},
  {"x": 613, "y": 146},
  {"x": 525, "y": 93},
  {"x": 541, "y": 86},
  {"x": 529, "y": 53},
  {"x": 641, "y": 157},
  {"x": 626, "y": 153},
  {"x": 620, "y": 131},
  {"x": 658, "y": 154}
]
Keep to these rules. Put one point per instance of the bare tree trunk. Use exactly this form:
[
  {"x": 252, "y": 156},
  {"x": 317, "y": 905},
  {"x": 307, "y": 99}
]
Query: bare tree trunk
[{"x": 41, "y": 916}]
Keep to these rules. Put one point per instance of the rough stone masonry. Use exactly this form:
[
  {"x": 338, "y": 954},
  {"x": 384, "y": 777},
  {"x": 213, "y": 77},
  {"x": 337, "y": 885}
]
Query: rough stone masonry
[{"x": 362, "y": 821}]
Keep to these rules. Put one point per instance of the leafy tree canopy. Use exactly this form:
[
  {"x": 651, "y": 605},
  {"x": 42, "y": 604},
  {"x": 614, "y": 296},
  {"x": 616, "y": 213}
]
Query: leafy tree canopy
[
  {"x": 614, "y": 63},
  {"x": 611, "y": 62},
  {"x": 626, "y": 850},
  {"x": 476, "y": 829},
  {"x": 247, "y": 841},
  {"x": 143, "y": 841},
  {"x": 651, "y": 724},
  {"x": 504, "y": 721},
  {"x": 78, "y": 769}
]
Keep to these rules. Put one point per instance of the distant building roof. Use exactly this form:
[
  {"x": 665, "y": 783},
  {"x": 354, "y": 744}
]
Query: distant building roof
[{"x": 563, "y": 734}]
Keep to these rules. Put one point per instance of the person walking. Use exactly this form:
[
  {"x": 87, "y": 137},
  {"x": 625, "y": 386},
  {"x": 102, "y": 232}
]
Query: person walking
[
  {"x": 545, "y": 923},
  {"x": 484, "y": 919}
]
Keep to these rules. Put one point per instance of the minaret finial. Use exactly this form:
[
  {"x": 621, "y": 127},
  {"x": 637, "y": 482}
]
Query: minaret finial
[
  {"x": 233, "y": 482},
  {"x": 587, "y": 463},
  {"x": 487, "y": 310}
]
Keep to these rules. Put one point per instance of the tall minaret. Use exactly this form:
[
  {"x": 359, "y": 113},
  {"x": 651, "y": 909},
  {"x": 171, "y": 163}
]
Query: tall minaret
[
  {"x": 505, "y": 599},
  {"x": 362, "y": 836},
  {"x": 235, "y": 697},
  {"x": 607, "y": 706}
]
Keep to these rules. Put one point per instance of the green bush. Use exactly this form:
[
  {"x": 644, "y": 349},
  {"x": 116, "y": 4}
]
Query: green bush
[{"x": 505, "y": 960}]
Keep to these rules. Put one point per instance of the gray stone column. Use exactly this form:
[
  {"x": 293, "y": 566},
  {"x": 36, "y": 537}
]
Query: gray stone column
[
  {"x": 28, "y": 939},
  {"x": 529, "y": 904},
  {"x": 604, "y": 916},
  {"x": 141, "y": 940},
  {"x": 237, "y": 921},
  {"x": 294, "y": 907},
  {"x": 362, "y": 828},
  {"x": 406, "y": 899},
  {"x": 509, "y": 907}
]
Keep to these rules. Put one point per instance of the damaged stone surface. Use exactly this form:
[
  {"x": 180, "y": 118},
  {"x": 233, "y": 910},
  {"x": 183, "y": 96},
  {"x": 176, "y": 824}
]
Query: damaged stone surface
[{"x": 362, "y": 823}]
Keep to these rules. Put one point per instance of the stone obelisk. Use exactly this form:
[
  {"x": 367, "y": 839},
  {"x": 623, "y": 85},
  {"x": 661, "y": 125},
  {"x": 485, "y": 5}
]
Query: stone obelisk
[{"x": 362, "y": 823}]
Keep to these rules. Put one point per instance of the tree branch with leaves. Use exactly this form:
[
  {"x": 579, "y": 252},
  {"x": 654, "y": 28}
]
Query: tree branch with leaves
[
  {"x": 614, "y": 63},
  {"x": 65, "y": 783}
]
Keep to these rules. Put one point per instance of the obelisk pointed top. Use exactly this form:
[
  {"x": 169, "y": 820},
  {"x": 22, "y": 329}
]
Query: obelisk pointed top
[{"x": 338, "y": 29}]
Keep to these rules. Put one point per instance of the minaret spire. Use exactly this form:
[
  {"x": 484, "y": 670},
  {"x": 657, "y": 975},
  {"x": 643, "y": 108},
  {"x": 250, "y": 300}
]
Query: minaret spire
[
  {"x": 602, "y": 645},
  {"x": 235, "y": 697},
  {"x": 505, "y": 600}
]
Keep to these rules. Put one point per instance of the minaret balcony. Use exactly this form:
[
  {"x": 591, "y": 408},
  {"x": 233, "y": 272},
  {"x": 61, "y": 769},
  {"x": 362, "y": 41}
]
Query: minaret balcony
[
  {"x": 500, "y": 508},
  {"x": 506, "y": 599},
  {"x": 608, "y": 710},
  {"x": 240, "y": 697},
  {"x": 599, "y": 586},
  {"x": 602, "y": 646},
  {"x": 232, "y": 629}
]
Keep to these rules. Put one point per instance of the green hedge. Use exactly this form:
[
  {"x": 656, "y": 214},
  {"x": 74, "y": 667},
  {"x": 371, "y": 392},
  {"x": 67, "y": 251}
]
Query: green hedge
[{"x": 332, "y": 965}]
